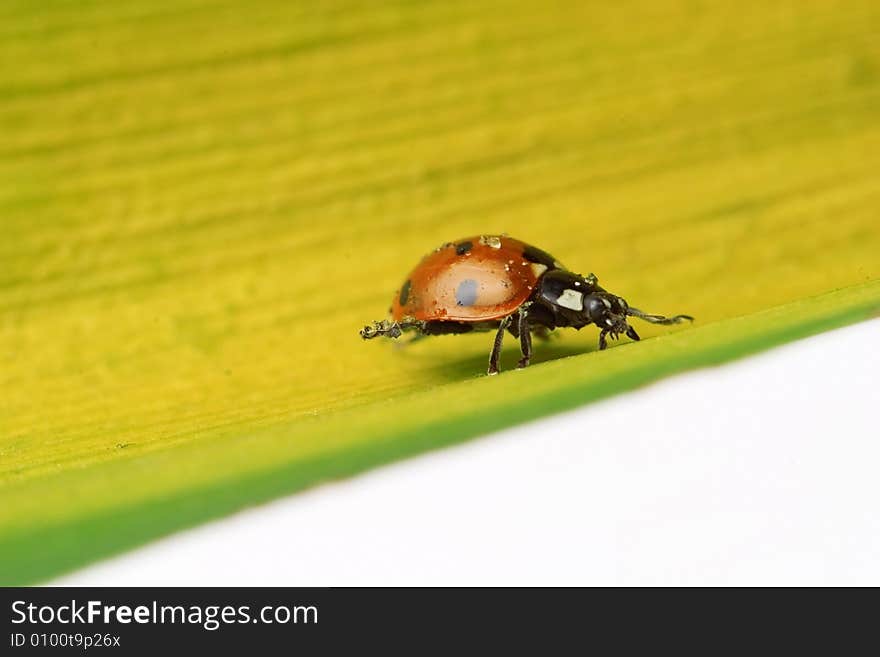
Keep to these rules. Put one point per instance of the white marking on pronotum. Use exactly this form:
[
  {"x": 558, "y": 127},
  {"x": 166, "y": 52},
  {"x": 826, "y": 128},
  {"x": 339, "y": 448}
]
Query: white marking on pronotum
[
  {"x": 491, "y": 240},
  {"x": 538, "y": 269},
  {"x": 571, "y": 299}
]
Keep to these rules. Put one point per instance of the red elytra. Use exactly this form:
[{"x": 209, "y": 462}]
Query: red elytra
[{"x": 474, "y": 279}]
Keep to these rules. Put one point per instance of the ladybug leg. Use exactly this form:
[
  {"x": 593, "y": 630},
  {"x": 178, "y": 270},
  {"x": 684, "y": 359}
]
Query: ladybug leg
[
  {"x": 525, "y": 338},
  {"x": 390, "y": 329},
  {"x": 602, "y": 341},
  {"x": 496, "y": 346}
]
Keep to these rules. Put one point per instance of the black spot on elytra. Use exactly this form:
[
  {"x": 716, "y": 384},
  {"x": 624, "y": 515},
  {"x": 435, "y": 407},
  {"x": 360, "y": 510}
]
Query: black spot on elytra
[
  {"x": 463, "y": 247},
  {"x": 404, "y": 293},
  {"x": 533, "y": 254}
]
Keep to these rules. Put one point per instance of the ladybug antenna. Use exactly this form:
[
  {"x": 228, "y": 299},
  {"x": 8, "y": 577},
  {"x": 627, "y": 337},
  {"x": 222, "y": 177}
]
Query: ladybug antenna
[{"x": 658, "y": 319}]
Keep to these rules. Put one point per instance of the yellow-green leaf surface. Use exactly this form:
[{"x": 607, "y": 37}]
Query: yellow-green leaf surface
[{"x": 201, "y": 202}]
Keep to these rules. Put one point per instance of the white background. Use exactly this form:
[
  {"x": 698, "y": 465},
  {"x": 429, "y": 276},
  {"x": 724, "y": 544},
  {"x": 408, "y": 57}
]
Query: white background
[{"x": 763, "y": 471}]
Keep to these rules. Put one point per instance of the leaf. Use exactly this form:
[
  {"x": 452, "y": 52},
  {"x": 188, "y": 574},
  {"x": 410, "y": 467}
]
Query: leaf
[{"x": 202, "y": 204}]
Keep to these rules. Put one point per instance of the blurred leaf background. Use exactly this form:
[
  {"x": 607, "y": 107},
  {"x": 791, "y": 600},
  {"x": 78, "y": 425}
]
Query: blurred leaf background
[{"x": 201, "y": 202}]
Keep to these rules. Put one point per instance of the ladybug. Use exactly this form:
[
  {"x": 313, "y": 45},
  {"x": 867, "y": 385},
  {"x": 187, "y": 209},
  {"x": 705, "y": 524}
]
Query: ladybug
[{"x": 495, "y": 282}]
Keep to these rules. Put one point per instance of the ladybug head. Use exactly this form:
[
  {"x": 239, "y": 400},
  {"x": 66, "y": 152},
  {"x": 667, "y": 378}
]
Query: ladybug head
[{"x": 609, "y": 313}]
